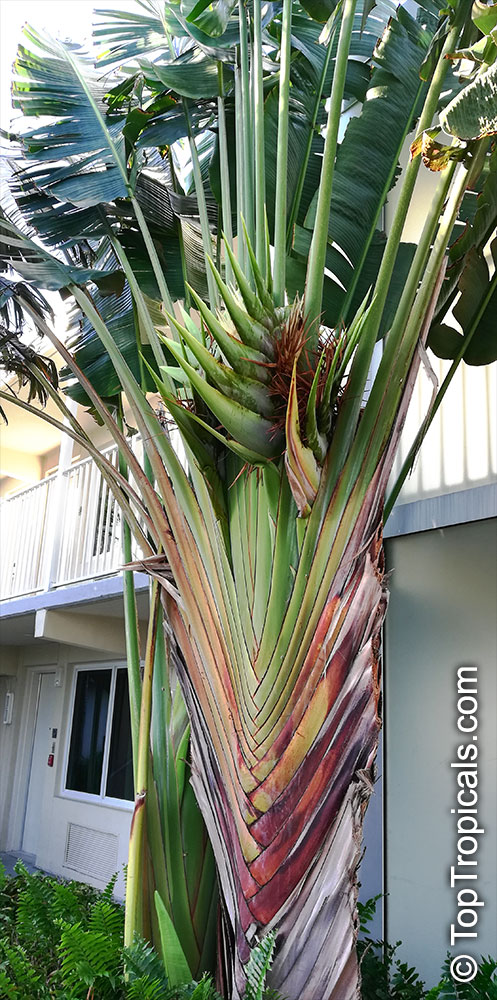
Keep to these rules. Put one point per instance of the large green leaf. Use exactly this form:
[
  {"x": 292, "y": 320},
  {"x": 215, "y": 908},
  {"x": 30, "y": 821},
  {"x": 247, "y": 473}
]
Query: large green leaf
[
  {"x": 192, "y": 75},
  {"x": 475, "y": 311},
  {"x": 176, "y": 966},
  {"x": 472, "y": 114},
  {"x": 166, "y": 128},
  {"x": 337, "y": 265},
  {"x": 478, "y": 213},
  {"x": 320, "y": 10},
  {"x": 213, "y": 18},
  {"x": 57, "y": 80},
  {"x": 43, "y": 269},
  {"x": 125, "y": 35},
  {"x": 120, "y": 319}
]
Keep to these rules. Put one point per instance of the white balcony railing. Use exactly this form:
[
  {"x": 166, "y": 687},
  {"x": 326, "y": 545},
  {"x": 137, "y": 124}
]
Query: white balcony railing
[
  {"x": 64, "y": 529},
  {"x": 90, "y": 542},
  {"x": 23, "y": 535}
]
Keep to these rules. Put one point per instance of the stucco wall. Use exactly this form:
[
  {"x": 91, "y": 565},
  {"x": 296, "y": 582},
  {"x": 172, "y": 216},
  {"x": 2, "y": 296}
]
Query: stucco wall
[{"x": 442, "y": 614}]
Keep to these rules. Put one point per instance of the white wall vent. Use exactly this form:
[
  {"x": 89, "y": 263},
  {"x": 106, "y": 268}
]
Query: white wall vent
[{"x": 91, "y": 852}]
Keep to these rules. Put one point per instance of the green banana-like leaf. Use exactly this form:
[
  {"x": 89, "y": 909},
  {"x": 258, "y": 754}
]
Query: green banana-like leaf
[
  {"x": 480, "y": 217},
  {"x": 45, "y": 270},
  {"x": 164, "y": 129},
  {"x": 213, "y": 18},
  {"x": 484, "y": 16},
  {"x": 121, "y": 321},
  {"x": 477, "y": 324},
  {"x": 125, "y": 35},
  {"x": 55, "y": 79},
  {"x": 472, "y": 114},
  {"x": 320, "y": 10},
  {"x": 190, "y": 75}
]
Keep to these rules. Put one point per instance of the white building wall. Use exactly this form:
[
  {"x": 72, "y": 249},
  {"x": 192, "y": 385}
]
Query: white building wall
[
  {"x": 460, "y": 448},
  {"x": 96, "y": 834},
  {"x": 442, "y": 614}
]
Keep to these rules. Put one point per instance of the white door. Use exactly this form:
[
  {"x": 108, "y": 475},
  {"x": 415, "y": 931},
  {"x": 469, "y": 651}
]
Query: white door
[{"x": 39, "y": 769}]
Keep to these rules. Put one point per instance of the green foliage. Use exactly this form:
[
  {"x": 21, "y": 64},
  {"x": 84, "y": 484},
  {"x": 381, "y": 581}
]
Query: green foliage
[
  {"x": 64, "y": 941},
  {"x": 482, "y": 987},
  {"x": 386, "y": 977},
  {"x": 258, "y": 966}
]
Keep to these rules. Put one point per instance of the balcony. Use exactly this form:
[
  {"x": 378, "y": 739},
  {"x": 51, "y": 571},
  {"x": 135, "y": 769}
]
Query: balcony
[{"x": 63, "y": 530}]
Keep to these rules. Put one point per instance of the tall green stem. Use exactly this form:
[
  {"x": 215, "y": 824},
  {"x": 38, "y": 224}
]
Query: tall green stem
[
  {"x": 225, "y": 174},
  {"x": 303, "y": 168},
  {"x": 317, "y": 256},
  {"x": 239, "y": 150},
  {"x": 202, "y": 208},
  {"x": 391, "y": 249},
  {"x": 154, "y": 257},
  {"x": 422, "y": 252},
  {"x": 423, "y": 430},
  {"x": 260, "y": 169},
  {"x": 132, "y": 923},
  {"x": 247, "y": 137},
  {"x": 280, "y": 205},
  {"x": 381, "y": 407},
  {"x": 132, "y": 634},
  {"x": 352, "y": 402}
]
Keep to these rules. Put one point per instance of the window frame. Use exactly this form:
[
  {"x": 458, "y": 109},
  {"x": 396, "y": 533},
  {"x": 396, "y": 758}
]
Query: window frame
[{"x": 71, "y": 793}]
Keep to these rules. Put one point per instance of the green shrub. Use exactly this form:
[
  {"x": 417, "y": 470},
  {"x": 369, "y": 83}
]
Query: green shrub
[
  {"x": 64, "y": 941},
  {"x": 386, "y": 977}
]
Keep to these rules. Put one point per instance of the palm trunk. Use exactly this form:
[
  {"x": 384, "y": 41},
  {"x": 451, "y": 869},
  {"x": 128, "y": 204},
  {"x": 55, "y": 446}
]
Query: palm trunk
[
  {"x": 301, "y": 877},
  {"x": 292, "y": 865}
]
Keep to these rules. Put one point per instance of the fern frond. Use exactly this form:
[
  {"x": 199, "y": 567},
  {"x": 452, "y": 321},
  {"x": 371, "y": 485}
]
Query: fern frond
[
  {"x": 141, "y": 961},
  {"x": 258, "y": 966},
  {"x": 91, "y": 958},
  {"x": 144, "y": 988},
  {"x": 108, "y": 919},
  {"x": 18, "y": 977},
  {"x": 108, "y": 892}
]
